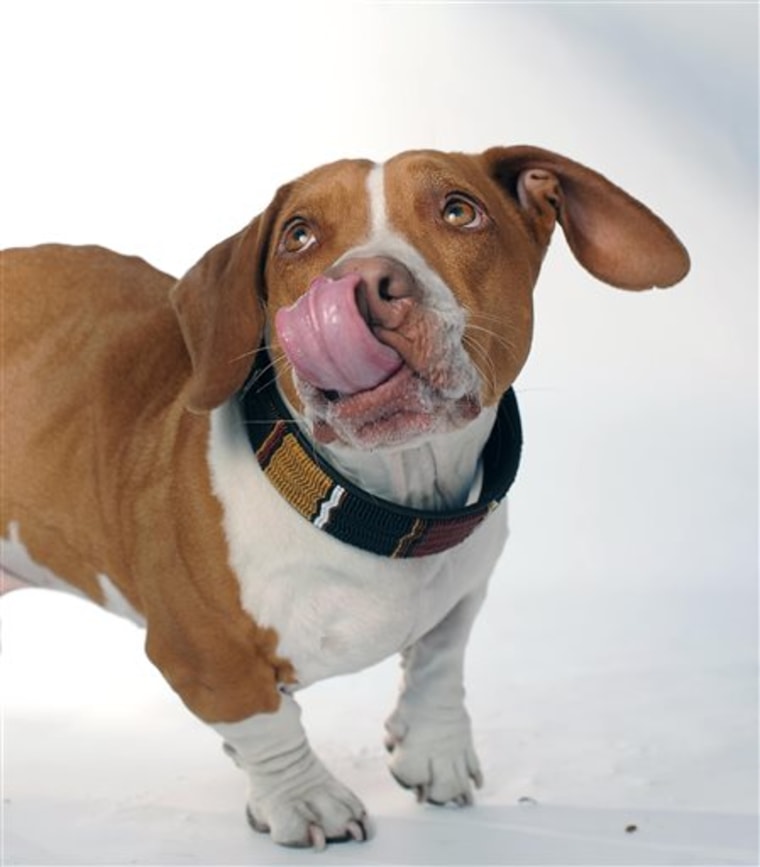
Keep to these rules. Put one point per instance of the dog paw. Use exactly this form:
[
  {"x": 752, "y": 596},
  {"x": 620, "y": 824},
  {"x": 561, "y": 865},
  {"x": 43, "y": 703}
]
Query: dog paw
[
  {"x": 435, "y": 760},
  {"x": 329, "y": 813}
]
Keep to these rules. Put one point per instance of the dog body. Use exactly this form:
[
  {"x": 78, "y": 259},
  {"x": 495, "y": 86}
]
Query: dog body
[{"x": 165, "y": 440}]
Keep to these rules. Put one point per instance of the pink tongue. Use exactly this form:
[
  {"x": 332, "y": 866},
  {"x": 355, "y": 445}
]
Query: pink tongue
[{"x": 328, "y": 342}]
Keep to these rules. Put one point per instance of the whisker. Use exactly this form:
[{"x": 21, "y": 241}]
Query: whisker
[
  {"x": 474, "y": 316},
  {"x": 258, "y": 374},
  {"x": 485, "y": 317},
  {"x": 479, "y": 314},
  {"x": 497, "y": 337},
  {"x": 505, "y": 336},
  {"x": 487, "y": 373},
  {"x": 273, "y": 362},
  {"x": 249, "y": 354}
]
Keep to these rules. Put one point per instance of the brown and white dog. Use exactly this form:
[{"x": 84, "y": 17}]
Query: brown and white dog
[{"x": 281, "y": 490}]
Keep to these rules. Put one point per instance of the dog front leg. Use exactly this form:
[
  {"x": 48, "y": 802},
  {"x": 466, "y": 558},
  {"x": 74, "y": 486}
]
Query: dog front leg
[
  {"x": 428, "y": 734},
  {"x": 292, "y": 795}
]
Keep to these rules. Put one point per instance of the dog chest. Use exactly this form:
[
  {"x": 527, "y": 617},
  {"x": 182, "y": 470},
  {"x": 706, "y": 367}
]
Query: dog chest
[{"x": 335, "y": 608}]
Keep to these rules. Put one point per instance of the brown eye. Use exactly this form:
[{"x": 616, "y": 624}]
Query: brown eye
[
  {"x": 462, "y": 213},
  {"x": 297, "y": 236}
]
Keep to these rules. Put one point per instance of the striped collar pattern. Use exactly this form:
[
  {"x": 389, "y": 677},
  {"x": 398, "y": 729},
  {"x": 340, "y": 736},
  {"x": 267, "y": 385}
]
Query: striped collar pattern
[{"x": 332, "y": 503}]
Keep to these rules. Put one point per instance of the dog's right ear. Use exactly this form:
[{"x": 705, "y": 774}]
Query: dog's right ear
[{"x": 220, "y": 305}]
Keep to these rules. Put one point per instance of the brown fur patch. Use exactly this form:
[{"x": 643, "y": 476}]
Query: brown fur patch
[{"x": 105, "y": 472}]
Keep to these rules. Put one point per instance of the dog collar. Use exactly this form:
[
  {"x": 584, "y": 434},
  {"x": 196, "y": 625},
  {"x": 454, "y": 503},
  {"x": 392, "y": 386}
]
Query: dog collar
[{"x": 332, "y": 503}]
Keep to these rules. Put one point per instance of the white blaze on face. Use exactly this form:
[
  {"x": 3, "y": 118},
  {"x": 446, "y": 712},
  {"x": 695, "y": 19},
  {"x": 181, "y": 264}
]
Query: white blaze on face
[
  {"x": 437, "y": 298},
  {"x": 376, "y": 193}
]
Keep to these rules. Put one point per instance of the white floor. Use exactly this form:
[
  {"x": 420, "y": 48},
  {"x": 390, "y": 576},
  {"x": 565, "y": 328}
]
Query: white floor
[{"x": 613, "y": 729}]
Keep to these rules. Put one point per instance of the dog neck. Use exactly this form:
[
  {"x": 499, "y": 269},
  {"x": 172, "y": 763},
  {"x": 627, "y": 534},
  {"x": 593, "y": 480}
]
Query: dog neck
[
  {"x": 373, "y": 510},
  {"x": 437, "y": 473}
]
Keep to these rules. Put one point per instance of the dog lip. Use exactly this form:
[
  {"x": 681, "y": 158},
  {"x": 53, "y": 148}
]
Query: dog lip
[
  {"x": 376, "y": 415},
  {"x": 368, "y": 398},
  {"x": 403, "y": 407},
  {"x": 404, "y": 392}
]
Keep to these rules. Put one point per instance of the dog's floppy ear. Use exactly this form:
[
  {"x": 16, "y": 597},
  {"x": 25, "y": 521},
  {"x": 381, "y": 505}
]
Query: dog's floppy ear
[
  {"x": 615, "y": 237},
  {"x": 220, "y": 307}
]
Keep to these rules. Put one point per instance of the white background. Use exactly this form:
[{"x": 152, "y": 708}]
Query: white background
[{"x": 612, "y": 675}]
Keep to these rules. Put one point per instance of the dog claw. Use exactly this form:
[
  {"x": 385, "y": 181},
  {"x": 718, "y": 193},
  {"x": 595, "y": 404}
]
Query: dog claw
[
  {"x": 317, "y": 838},
  {"x": 357, "y": 831},
  {"x": 422, "y": 792},
  {"x": 259, "y": 827},
  {"x": 230, "y": 751}
]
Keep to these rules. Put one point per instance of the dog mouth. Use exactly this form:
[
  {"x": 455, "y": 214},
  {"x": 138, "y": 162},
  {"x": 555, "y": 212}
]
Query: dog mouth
[
  {"x": 367, "y": 385},
  {"x": 399, "y": 410},
  {"x": 329, "y": 341}
]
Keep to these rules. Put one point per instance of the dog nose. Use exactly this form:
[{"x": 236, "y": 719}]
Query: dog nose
[{"x": 385, "y": 291}]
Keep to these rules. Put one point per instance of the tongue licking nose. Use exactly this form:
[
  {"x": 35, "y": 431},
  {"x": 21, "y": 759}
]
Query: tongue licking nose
[{"x": 329, "y": 344}]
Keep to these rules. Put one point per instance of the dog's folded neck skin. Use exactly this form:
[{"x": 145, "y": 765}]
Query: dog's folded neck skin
[{"x": 435, "y": 473}]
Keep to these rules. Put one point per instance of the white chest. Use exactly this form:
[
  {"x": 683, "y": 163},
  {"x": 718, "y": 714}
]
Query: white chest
[{"x": 335, "y": 608}]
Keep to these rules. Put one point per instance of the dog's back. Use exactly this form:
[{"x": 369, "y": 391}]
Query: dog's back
[{"x": 84, "y": 332}]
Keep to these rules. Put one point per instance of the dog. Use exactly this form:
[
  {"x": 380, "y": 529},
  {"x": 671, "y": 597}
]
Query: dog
[{"x": 292, "y": 462}]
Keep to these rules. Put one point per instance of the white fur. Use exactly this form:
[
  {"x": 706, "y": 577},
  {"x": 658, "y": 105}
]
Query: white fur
[
  {"x": 336, "y": 608},
  {"x": 429, "y": 731},
  {"x": 292, "y": 794},
  {"x": 439, "y": 472}
]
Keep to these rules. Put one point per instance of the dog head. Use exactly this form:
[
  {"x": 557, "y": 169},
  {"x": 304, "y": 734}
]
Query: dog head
[{"x": 396, "y": 299}]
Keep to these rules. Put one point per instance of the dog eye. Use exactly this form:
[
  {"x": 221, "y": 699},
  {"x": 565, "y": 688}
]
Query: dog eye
[
  {"x": 462, "y": 213},
  {"x": 297, "y": 236}
]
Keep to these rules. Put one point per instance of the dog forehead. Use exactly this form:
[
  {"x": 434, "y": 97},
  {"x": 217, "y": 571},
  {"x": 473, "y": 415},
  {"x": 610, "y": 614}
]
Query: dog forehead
[
  {"x": 333, "y": 186},
  {"x": 342, "y": 186},
  {"x": 433, "y": 171},
  {"x": 332, "y": 198}
]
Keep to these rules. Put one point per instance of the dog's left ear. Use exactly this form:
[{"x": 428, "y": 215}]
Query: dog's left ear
[
  {"x": 614, "y": 236},
  {"x": 220, "y": 307}
]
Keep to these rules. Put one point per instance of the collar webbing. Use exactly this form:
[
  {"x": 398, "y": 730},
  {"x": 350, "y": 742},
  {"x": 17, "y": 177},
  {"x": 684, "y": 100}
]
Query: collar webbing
[{"x": 334, "y": 504}]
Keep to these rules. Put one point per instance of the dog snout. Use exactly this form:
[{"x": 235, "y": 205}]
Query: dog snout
[{"x": 385, "y": 292}]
